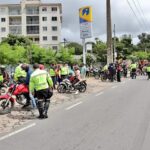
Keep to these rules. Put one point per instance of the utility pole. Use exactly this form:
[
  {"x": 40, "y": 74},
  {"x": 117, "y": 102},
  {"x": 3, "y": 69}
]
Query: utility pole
[
  {"x": 109, "y": 33},
  {"x": 114, "y": 48}
]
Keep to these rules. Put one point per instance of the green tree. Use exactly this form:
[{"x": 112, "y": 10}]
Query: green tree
[{"x": 77, "y": 47}]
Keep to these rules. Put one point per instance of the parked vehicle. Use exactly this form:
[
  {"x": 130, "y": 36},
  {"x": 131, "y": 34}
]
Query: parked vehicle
[
  {"x": 71, "y": 85},
  {"x": 7, "y": 101}
]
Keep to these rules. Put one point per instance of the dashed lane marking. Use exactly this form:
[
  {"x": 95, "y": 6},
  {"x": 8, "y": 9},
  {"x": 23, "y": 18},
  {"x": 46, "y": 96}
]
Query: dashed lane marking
[
  {"x": 70, "y": 107},
  {"x": 99, "y": 94},
  {"x": 114, "y": 87},
  {"x": 17, "y": 131}
]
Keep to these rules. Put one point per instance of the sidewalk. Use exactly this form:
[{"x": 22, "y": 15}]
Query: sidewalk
[{"x": 19, "y": 117}]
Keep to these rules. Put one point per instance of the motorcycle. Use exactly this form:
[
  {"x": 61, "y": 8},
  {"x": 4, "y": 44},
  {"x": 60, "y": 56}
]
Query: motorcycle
[
  {"x": 7, "y": 101},
  {"x": 72, "y": 84}
]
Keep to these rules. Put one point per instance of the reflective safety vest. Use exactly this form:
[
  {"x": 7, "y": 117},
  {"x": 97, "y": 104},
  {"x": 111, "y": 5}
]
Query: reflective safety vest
[
  {"x": 133, "y": 66},
  {"x": 52, "y": 72},
  {"x": 148, "y": 69},
  {"x": 40, "y": 80},
  {"x": 64, "y": 71},
  {"x": 19, "y": 73},
  {"x": 105, "y": 68},
  {"x": 1, "y": 78}
]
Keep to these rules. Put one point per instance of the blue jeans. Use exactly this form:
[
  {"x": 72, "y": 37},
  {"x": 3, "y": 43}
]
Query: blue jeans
[{"x": 33, "y": 101}]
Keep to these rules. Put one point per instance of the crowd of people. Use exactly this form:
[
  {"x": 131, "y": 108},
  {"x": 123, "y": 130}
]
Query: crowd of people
[{"x": 42, "y": 81}]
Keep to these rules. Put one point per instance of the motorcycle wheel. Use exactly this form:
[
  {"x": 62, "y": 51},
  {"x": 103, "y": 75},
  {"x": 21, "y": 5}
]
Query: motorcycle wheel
[
  {"x": 82, "y": 88},
  {"x": 5, "y": 108},
  {"x": 21, "y": 99},
  {"x": 61, "y": 88}
]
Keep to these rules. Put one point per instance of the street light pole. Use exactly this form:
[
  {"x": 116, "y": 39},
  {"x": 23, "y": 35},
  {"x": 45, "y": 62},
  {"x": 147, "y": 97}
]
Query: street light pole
[
  {"x": 109, "y": 33},
  {"x": 114, "y": 48}
]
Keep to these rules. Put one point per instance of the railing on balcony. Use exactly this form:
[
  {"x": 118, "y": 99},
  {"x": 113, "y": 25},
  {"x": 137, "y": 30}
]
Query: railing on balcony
[
  {"x": 15, "y": 30},
  {"x": 14, "y": 11},
  {"x": 32, "y": 20},
  {"x": 15, "y": 21},
  {"x": 32, "y": 29},
  {"x": 32, "y": 10}
]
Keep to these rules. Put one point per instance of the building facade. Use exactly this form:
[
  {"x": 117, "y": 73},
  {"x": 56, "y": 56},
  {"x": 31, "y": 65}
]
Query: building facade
[{"x": 41, "y": 22}]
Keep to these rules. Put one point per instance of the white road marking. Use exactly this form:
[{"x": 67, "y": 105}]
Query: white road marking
[
  {"x": 99, "y": 94},
  {"x": 17, "y": 131},
  {"x": 114, "y": 87},
  {"x": 74, "y": 105}
]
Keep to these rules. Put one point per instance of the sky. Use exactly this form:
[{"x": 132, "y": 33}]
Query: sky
[{"x": 123, "y": 17}]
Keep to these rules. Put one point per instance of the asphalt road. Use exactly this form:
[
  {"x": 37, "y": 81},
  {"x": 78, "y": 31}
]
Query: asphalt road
[{"x": 117, "y": 118}]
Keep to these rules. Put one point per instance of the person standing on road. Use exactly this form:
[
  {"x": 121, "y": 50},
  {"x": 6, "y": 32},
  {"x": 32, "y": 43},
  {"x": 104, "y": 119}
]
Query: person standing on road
[
  {"x": 40, "y": 83},
  {"x": 118, "y": 69},
  {"x": 64, "y": 71},
  {"x": 148, "y": 70},
  {"x": 53, "y": 75},
  {"x": 83, "y": 71}
]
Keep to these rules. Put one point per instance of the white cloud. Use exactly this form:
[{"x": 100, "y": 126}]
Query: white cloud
[{"x": 122, "y": 16}]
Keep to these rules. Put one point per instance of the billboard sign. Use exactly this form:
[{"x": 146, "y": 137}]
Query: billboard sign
[{"x": 85, "y": 16}]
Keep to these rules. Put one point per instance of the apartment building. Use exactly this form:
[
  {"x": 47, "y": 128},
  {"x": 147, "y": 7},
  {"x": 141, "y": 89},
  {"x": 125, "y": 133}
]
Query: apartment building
[{"x": 39, "y": 21}]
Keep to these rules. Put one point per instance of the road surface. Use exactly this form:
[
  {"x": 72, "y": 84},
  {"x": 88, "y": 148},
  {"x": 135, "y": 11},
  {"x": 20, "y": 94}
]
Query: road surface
[{"x": 117, "y": 118}]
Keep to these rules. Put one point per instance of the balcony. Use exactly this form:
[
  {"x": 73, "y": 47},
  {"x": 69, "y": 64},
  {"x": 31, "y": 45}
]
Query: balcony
[
  {"x": 32, "y": 20},
  {"x": 15, "y": 30},
  {"x": 32, "y": 11},
  {"x": 14, "y": 11},
  {"x": 32, "y": 29},
  {"x": 14, "y": 20}
]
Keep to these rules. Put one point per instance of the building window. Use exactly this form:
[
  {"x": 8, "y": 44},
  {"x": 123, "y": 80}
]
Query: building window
[
  {"x": 3, "y": 29},
  {"x": 54, "y": 38},
  {"x": 54, "y": 18},
  {"x": 44, "y": 28},
  {"x": 54, "y": 28},
  {"x": 44, "y": 38},
  {"x": 3, "y": 19},
  {"x": 44, "y": 9},
  {"x": 54, "y": 8},
  {"x": 44, "y": 18},
  {"x": 55, "y": 47}
]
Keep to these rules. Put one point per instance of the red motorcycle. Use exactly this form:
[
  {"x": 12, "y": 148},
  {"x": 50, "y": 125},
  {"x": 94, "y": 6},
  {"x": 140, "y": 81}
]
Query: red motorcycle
[{"x": 7, "y": 101}]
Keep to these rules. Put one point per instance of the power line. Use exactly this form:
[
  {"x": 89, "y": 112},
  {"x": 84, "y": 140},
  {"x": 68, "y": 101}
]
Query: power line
[
  {"x": 140, "y": 25},
  {"x": 143, "y": 13},
  {"x": 138, "y": 10}
]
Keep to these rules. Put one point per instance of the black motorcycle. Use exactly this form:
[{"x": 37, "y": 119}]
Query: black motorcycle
[{"x": 66, "y": 86}]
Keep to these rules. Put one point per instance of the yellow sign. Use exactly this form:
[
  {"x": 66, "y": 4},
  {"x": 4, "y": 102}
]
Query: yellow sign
[{"x": 85, "y": 14}]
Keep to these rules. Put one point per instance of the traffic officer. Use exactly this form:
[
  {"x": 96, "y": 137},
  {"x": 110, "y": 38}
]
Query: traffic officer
[
  {"x": 53, "y": 74},
  {"x": 20, "y": 74},
  {"x": 64, "y": 71},
  {"x": 40, "y": 83}
]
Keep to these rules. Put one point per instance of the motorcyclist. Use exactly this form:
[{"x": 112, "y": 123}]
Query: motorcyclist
[
  {"x": 19, "y": 74},
  {"x": 40, "y": 83},
  {"x": 28, "y": 71}
]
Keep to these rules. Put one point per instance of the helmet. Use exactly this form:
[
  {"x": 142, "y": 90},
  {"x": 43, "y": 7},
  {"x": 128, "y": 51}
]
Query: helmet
[{"x": 41, "y": 67}]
